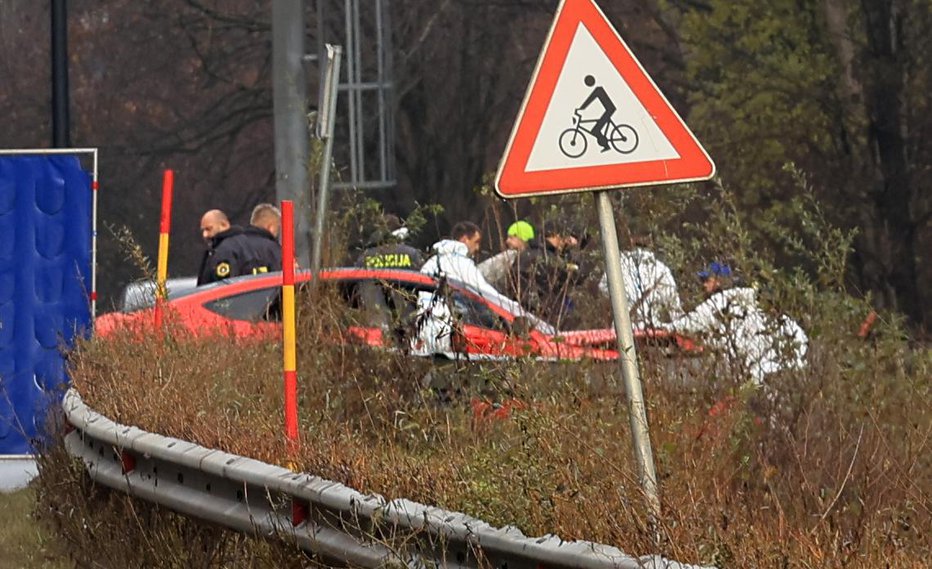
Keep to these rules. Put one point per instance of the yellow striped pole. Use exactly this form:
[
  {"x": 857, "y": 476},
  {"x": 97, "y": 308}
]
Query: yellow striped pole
[
  {"x": 288, "y": 323},
  {"x": 161, "y": 293}
]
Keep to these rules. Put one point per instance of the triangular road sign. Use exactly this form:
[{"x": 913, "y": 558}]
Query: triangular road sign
[{"x": 593, "y": 119}]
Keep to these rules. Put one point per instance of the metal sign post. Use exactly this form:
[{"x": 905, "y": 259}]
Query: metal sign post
[
  {"x": 624, "y": 335},
  {"x": 327, "y": 119}
]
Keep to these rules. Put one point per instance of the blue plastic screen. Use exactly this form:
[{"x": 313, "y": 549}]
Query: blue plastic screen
[{"x": 45, "y": 275}]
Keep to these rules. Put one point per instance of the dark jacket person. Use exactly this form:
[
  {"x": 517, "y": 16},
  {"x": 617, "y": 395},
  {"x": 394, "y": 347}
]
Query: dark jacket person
[
  {"x": 387, "y": 249},
  {"x": 544, "y": 273},
  {"x": 231, "y": 251},
  {"x": 262, "y": 233}
]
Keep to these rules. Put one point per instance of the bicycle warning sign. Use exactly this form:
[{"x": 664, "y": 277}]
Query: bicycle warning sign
[
  {"x": 593, "y": 119},
  {"x": 622, "y": 137}
]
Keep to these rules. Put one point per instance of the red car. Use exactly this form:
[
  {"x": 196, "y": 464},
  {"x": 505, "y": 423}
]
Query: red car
[{"x": 383, "y": 307}]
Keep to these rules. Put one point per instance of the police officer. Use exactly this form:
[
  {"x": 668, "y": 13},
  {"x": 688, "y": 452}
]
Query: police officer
[
  {"x": 262, "y": 235},
  {"x": 387, "y": 249},
  {"x": 230, "y": 251}
]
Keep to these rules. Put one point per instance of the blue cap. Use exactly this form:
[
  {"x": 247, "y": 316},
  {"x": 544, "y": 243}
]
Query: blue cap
[{"x": 715, "y": 269}]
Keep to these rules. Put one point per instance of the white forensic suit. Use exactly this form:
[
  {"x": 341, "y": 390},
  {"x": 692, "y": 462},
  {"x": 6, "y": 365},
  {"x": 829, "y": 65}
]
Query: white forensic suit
[
  {"x": 731, "y": 322},
  {"x": 435, "y": 322},
  {"x": 496, "y": 268},
  {"x": 650, "y": 288},
  {"x": 788, "y": 347}
]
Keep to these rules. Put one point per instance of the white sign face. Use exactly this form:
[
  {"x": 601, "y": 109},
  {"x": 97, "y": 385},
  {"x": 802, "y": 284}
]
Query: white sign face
[
  {"x": 593, "y": 119},
  {"x": 628, "y": 131}
]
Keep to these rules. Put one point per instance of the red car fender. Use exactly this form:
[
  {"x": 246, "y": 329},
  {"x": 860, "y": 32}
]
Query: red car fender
[{"x": 374, "y": 337}]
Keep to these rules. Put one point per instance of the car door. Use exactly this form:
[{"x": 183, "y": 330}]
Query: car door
[
  {"x": 386, "y": 307},
  {"x": 253, "y": 314},
  {"x": 482, "y": 333}
]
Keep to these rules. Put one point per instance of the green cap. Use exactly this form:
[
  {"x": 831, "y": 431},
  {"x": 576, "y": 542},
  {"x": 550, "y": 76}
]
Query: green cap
[{"x": 522, "y": 230}]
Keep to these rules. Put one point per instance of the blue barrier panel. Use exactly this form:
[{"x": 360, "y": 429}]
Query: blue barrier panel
[{"x": 45, "y": 276}]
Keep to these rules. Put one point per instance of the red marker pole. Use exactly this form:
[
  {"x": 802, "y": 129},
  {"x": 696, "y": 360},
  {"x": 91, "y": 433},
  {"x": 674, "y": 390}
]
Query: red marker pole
[
  {"x": 288, "y": 325},
  {"x": 161, "y": 293}
]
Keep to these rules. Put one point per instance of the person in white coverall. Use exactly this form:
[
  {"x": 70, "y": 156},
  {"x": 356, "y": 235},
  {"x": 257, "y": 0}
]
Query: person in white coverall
[
  {"x": 649, "y": 285},
  {"x": 452, "y": 259},
  {"x": 732, "y": 322}
]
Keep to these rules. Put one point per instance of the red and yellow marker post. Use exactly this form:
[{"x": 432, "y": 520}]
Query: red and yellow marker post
[
  {"x": 288, "y": 325},
  {"x": 161, "y": 293}
]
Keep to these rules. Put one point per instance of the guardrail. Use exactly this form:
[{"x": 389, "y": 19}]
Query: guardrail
[{"x": 322, "y": 517}]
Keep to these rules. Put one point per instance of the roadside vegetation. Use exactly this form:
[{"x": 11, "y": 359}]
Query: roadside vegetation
[
  {"x": 25, "y": 542},
  {"x": 828, "y": 467}
]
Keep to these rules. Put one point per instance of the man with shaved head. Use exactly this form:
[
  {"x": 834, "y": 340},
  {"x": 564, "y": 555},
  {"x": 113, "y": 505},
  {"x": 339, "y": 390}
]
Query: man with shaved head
[
  {"x": 212, "y": 223},
  {"x": 231, "y": 251},
  {"x": 221, "y": 237}
]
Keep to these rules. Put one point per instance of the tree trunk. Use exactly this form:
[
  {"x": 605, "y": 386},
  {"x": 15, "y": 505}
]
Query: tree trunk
[{"x": 893, "y": 188}]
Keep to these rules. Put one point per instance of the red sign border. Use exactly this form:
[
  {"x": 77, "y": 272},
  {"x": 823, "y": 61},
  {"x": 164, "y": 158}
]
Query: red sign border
[{"x": 512, "y": 181}]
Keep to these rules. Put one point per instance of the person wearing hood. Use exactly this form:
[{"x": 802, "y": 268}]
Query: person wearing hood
[
  {"x": 452, "y": 260},
  {"x": 733, "y": 323},
  {"x": 386, "y": 249},
  {"x": 649, "y": 285}
]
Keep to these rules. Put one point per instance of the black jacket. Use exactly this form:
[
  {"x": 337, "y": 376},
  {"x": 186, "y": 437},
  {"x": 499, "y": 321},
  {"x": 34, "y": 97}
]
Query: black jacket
[
  {"x": 239, "y": 251},
  {"x": 266, "y": 251},
  {"x": 391, "y": 256},
  {"x": 542, "y": 277}
]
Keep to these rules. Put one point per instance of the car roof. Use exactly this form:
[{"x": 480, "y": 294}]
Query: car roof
[
  {"x": 141, "y": 293},
  {"x": 303, "y": 275},
  {"x": 331, "y": 273},
  {"x": 339, "y": 273}
]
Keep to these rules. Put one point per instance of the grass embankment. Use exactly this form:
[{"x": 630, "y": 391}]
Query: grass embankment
[
  {"x": 830, "y": 467},
  {"x": 24, "y": 542}
]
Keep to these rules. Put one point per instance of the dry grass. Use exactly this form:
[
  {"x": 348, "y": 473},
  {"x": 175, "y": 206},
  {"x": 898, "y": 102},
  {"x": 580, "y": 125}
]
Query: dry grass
[
  {"x": 828, "y": 468},
  {"x": 96, "y": 527}
]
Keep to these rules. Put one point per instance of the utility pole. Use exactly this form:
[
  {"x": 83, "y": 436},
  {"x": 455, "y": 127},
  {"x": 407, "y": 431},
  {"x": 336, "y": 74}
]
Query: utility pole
[
  {"x": 289, "y": 100},
  {"x": 61, "y": 135}
]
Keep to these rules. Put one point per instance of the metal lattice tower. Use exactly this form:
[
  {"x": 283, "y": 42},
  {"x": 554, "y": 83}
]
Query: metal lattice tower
[{"x": 365, "y": 130}]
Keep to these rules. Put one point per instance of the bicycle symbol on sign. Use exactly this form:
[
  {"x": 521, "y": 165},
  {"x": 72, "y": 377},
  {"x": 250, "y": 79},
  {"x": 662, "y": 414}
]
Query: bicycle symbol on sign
[{"x": 609, "y": 134}]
